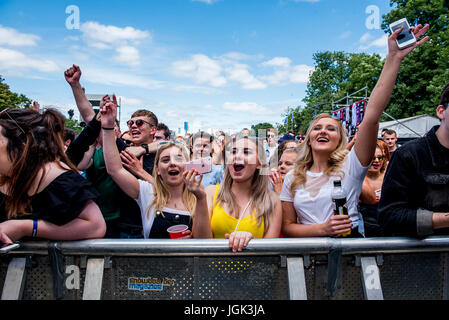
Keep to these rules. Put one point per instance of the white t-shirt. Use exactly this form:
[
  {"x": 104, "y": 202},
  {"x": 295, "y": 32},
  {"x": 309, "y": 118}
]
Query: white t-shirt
[
  {"x": 313, "y": 201},
  {"x": 146, "y": 196}
]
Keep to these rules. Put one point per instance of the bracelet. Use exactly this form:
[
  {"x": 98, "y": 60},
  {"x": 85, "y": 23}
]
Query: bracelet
[
  {"x": 107, "y": 128},
  {"x": 34, "y": 233}
]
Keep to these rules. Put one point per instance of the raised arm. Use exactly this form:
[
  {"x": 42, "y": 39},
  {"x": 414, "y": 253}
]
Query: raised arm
[
  {"x": 73, "y": 76},
  {"x": 366, "y": 141},
  {"x": 125, "y": 180}
]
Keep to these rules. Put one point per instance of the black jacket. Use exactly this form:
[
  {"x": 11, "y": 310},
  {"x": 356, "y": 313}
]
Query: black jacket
[{"x": 416, "y": 184}]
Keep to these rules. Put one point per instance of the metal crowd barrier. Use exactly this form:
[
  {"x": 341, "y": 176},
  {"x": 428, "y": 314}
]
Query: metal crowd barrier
[{"x": 268, "y": 269}]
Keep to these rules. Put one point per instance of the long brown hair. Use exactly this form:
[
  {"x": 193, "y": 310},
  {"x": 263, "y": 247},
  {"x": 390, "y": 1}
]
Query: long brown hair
[
  {"x": 305, "y": 157},
  {"x": 34, "y": 140},
  {"x": 264, "y": 200}
]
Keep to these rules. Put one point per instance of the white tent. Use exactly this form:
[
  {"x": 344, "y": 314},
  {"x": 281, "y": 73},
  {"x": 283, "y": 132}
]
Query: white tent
[{"x": 410, "y": 128}]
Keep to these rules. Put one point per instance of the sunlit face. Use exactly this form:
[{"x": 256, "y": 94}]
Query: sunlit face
[
  {"x": 390, "y": 140},
  {"x": 286, "y": 163},
  {"x": 141, "y": 129},
  {"x": 171, "y": 166},
  {"x": 325, "y": 135},
  {"x": 5, "y": 162},
  {"x": 242, "y": 160},
  {"x": 201, "y": 148},
  {"x": 378, "y": 161}
]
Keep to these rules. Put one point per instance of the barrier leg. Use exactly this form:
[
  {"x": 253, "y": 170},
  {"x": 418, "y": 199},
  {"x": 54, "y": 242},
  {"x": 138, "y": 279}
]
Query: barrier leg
[
  {"x": 93, "y": 284},
  {"x": 15, "y": 280},
  {"x": 372, "y": 288},
  {"x": 296, "y": 278}
]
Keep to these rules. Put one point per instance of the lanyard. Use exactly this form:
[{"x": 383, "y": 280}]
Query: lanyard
[{"x": 243, "y": 213}]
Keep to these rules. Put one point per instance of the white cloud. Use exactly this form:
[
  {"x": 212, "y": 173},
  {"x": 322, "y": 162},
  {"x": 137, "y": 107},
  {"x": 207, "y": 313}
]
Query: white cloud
[
  {"x": 277, "y": 62},
  {"x": 12, "y": 37},
  {"x": 128, "y": 55},
  {"x": 117, "y": 78},
  {"x": 14, "y": 62},
  {"x": 284, "y": 73},
  {"x": 95, "y": 33},
  {"x": 201, "y": 68},
  {"x": 240, "y": 73},
  {"x": 246, "y": 107},
  {"x": 367, "y": 41}
]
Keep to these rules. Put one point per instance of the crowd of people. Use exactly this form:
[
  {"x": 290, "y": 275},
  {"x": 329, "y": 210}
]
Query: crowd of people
[{"x": 110, "y": 183}]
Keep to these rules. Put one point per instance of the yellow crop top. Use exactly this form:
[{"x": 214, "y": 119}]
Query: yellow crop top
[{"x": 222, "y": 223}]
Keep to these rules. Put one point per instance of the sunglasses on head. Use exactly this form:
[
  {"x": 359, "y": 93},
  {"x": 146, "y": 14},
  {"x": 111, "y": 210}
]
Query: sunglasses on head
[
  {"x": 5, "y": 111},
  {"x": 138, "y": 122}
]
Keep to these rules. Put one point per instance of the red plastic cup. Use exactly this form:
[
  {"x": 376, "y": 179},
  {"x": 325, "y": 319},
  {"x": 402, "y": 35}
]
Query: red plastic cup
[{"x": 176, "y": 231}]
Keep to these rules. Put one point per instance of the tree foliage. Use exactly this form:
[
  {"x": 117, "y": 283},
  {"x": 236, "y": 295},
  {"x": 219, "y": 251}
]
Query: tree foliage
[
  {"x": 425, "y": 71},
  {"x": 336, "y": 75},
  {"x": 9, "y": 99}
]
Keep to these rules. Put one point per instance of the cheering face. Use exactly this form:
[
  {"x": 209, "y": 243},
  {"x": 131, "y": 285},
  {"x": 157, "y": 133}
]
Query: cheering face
[
  {"x": 171, "y": 166},
  {"x": 5, "y": 162},
  {"x": 242, "y": 160},
  {"x": 378, "y": 161},
  {"x": 286, "y": 163},
  {"x": 325, "y": 135},
  {"x": 141, "y": 129}
]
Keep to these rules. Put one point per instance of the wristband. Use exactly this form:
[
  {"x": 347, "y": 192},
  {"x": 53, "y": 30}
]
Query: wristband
[
  {"x": 107, "y": 128},
  {"x": 34, "y": 233}
]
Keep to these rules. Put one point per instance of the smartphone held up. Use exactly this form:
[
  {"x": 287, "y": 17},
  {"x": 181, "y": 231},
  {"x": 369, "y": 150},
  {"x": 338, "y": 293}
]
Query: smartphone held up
[
  {"x": 406, "y": 38},
  {"x": 202, "y": 165}
]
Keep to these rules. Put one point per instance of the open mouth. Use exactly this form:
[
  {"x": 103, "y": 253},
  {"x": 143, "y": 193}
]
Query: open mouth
[
  {"x": 173, "y": 172},
  {"x": 238, "y": 167},
  {"x": 375, "y": 166},
  {"x": 135, "y": 133},
  {"x": 322, "y": 140}
]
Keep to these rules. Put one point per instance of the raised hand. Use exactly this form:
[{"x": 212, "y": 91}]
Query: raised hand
[
  {"x": 108, "y": 110},
  {"x": 35, "y": 106},
  {"x": 73, "y": 75},
  {"x": 393, "y": 48},
  {"x": 192, "y": 184}
]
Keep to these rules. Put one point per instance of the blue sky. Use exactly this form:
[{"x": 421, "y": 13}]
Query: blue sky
[{"x": 218, "y": 64}]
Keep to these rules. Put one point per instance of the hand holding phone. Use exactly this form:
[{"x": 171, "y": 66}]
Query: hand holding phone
[
  {"x": 406, "y": 38},
  {"x": 202, "y": 165}
]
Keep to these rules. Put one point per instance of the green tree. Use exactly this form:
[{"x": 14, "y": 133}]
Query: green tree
[
  {"x": 261, "y": 126},
  {"x": 336, "y": 75},
  {"x": 425, "y": 71},
  {"x": 9, "y": 99}
]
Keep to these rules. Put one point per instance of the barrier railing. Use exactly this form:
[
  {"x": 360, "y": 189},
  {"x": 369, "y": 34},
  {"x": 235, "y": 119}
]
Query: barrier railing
[{"x": 288, "y": 268}]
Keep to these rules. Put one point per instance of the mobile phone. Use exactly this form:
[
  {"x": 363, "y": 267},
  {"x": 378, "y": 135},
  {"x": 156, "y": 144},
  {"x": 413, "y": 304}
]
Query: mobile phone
[
  {"x": 202, "y": 165},
  {"x": 406, "y": 38},
  {"x": 6, "y": 247}
]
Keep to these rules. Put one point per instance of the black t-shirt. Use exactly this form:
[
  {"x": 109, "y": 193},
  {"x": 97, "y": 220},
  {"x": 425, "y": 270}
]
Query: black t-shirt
[{"x": 60, "y": 202}]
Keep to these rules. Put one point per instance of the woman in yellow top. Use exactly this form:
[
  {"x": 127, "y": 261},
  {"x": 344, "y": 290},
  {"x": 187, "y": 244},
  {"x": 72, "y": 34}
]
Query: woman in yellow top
[{"x": 242, "y": 207}]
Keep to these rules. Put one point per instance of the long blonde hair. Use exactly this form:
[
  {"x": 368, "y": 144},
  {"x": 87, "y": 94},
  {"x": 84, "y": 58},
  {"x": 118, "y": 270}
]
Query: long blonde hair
[
  {"x": 305, "y": 157},
  {"x": 161, "y": 192},
  {"x": 264, "y": 200}
]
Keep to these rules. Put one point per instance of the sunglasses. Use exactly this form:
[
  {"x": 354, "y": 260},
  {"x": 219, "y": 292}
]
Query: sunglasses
[
  {"x": 5, "y": 111},
  {"x": 379, "y": 158},
  {"x": 139, "y": 123}
]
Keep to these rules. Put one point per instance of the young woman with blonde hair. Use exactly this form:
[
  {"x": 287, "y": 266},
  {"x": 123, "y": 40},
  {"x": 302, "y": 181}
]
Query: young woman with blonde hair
[
  {"x": 165, "y": 202},
  {"x": 306, "y": 194},
  {"x": 242, "y": 207}
]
